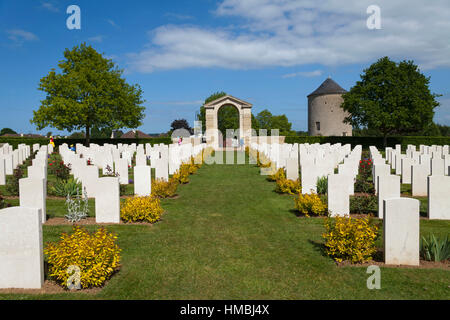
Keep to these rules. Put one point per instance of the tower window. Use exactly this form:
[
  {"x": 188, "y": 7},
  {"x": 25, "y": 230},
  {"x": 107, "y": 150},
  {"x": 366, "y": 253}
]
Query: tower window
[{"x": 318, "y": 126}]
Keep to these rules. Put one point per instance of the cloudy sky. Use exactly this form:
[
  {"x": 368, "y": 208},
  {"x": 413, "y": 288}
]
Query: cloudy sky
[{"x": 272, "y": 53}]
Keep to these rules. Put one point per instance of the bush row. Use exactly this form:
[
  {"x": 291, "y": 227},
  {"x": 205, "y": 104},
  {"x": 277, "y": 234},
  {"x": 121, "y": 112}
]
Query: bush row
[
  {"x": 404, "y": 141},
  {"x": 15, "y": 141}
]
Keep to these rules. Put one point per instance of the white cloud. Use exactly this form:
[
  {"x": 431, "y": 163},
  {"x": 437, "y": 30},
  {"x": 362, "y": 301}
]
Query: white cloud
[
  {"x": 294, "y": 33},
  {"x": 49, "y": 6},
  {"x": 98, "y": 38},
  {"x": 308, "y": 74},
  {"x": 19, "y": 36},
  {"x": 113, "y": 23}
]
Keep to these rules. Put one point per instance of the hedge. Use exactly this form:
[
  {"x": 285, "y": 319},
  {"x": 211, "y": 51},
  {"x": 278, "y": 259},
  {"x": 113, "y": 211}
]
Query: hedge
[
  {"x": 15, "y": 141},
  {"x": 404, "y": 141}
]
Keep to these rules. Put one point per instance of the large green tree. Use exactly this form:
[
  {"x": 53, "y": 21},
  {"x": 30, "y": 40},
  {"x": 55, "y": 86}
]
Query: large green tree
[
  {"x": 265, "y": 120},
  {"x": 391, "y": 98},
  {"x": 89, "y": 92}
]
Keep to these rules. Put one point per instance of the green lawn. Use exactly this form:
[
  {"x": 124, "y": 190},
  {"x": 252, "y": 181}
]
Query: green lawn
[{"x": 230, "y": 236}]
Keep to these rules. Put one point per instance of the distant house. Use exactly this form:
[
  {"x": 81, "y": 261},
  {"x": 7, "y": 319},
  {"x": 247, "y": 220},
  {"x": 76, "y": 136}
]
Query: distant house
[{"x": 132, "y": 135}]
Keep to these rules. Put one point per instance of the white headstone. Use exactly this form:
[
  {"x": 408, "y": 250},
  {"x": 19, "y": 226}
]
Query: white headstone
[
  {"x": 401, "y": 231},
  {"x": 33, "y": 193},
  {"x": 388, "y": 187},
  {"x": 338, "y": 195},
  {"x": 419, "y": 174},
  {"x": 439, "y": 197},
  {"x": 107, "y": 200},
  {"x": 21, "y": 248},
  {"x": 292, "y": 169},
  {"x": 142, "y": 181}
]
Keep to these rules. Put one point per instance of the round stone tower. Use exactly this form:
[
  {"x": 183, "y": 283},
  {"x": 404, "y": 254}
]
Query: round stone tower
[{"x": 325, "y": 115}]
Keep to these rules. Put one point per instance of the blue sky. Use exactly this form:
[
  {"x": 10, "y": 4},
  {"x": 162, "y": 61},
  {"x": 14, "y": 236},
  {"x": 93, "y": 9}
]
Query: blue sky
[{"x": 269, "y": 53}]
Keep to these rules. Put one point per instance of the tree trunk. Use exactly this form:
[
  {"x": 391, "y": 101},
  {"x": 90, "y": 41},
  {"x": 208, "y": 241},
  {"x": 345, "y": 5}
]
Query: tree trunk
[
  {"x": 385, "y": 140},
  {"x": 88, "y": 136}
]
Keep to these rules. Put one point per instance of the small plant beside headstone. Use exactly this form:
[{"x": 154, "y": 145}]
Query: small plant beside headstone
[{"x": 77, "y": 208}]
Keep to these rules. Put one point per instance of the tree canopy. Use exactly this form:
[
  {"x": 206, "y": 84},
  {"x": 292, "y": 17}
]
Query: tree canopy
[
  {"x": 180, "y": 124},
  {"x": 6, "y": 131},
  {"x": 89, "y": 92},
  {"x": 391, "y": 98},
  {"x": 265, "y": 120}
]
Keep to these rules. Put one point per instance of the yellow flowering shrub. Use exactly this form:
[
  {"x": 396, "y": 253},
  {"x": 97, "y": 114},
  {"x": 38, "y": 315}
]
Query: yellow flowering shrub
[
  {"x": 288, "y": 186},
  {"x": 197, "y": 161},
  {"x": 182, "y": 174},
  {"x": 310, "y": 204},
  {"x": 278, "y": 175},
  {"x": 141, "y": 209},
  {"x": 263, "y": 161},
  {"x": 350, "y": 239},
  {"x": 164, "y": 189},
  {"x": 95, "y": 254}
]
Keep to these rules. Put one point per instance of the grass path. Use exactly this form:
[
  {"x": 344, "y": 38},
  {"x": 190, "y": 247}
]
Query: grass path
[{"x": 229, "y": 236}]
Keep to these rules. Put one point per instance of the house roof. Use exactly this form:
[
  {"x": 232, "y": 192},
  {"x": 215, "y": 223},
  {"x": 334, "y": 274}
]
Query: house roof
[
  {"x": 132, "y": 135},
  {"x": 329, "y": 86}
]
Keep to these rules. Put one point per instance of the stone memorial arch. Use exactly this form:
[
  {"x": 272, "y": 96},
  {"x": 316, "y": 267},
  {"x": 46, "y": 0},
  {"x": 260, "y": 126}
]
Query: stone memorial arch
[{"x": 245, "y": 119}]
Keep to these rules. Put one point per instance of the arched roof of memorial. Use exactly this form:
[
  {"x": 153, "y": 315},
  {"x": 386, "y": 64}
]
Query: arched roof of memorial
[
  {"x": 236, "y": 100},
  {"x": 329, "y": 86}
]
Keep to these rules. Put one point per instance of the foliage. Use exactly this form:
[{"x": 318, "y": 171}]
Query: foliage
[
  {"x": 12, "y": 182},
  {"x": 228, "y": 118},
  {"x": 350, "y": 239},
  {"x": 3, "y": 203},
  {"x": 435, "y": 249},
  {"x": 57, "y": 167},
  {"x": 78, "y": 208},
  {"x": 64, "y": 188},
  {"x": 7, "y": 131},
  {"x": 364, "y": 183},
  {"x": 182, "y": 174},
  {"x": 278, "y": 175},
  {"x": 164, "y": 189},
  {"x": 96, "y": 254},
  {"x": 393, "y": 98},
  {"x": 366, "y": 141},
  {"x": 364, "y": 204},
  {"x": 288, "y": 186},
  {"x": 180, "y": 124},
  {"x": 322, "y": 185},
  {"x": 262, "y": 161},
  {"x": 265, "y": 120},
  {"x": 308, "y": 204},
  {"x": 89, "y": 92},
  {"x": 202, "y": 115},
  {"x": 141, "y": 209}
]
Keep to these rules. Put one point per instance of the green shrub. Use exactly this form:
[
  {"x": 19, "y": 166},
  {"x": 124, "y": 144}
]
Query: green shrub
[
  {"x": 3, "y": 203},
  {"x": 64, "y": 188},
  {"x": 435, "y": 249},
  {"x": 322, "y": 185},
  {"x": 364, "y": 204},
  {"x": 12, "y": 182}
]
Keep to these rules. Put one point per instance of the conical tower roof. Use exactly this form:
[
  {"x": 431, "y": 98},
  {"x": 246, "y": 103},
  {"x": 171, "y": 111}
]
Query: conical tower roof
[{"x": 329, "y": 86}]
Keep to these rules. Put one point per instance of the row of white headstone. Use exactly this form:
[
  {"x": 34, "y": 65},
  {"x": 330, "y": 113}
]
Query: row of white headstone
[
  {"x": 165, "y": 159},
  {"x": 424, "y": 170},
  {"x": 400, "y": 215},
  {"x": 21, "y": 245}
]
